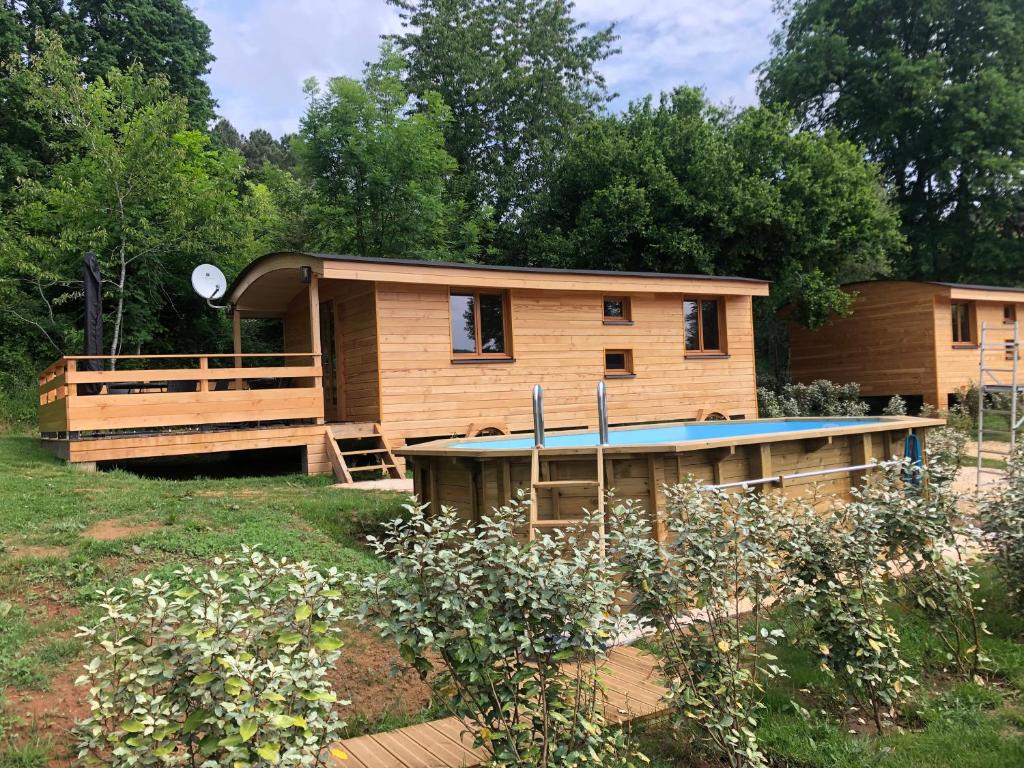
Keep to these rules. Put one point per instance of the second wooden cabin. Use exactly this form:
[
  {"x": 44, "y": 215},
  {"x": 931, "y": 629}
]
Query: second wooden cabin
[
  {"x": 393, "y": 351},
  {"x": 918, "y": 340}
]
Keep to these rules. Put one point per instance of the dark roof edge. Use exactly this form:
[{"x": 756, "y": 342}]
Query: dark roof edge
[
  {"x": 975, "y": 287},
  {"x": 485, "y": 267},
  {"x": 939, "y": 283}
]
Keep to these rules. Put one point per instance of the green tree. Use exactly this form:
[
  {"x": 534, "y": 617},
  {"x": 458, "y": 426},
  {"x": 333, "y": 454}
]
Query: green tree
[
  {"x": 518, "y": 75},
  {"x": 378, "y": 169},
  {"x": 934, "y": 90},
  {"x": 23, "y": 141},
  {"x": 137, "y": 186},
  {"x": 683, "y": 186},
  {"x": 261, "y": 147},
  {"x": 164, "y": 36}
]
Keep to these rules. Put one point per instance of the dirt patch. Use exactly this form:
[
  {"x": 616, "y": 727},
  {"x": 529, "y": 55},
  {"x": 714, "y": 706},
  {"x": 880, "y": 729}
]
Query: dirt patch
[
  {"x": 28, "y": 550},
  {"x": 50, "y": 714},
  {"x": 369, "y": 673},
  {"x": 110, "y": 530},
  {"x": 44, "y": 606},
  {"x": 374, "y": 678}
]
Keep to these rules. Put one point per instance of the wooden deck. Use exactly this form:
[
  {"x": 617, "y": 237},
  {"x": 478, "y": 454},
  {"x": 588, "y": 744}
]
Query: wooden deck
[{"x": 632, "y": 692}]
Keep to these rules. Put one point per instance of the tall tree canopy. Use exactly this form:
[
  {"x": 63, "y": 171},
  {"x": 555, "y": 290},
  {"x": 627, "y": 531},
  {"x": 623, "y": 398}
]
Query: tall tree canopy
[
  {"x": 518, "y": 75},
  {"x": 163, "y": 36},
  {"x": 257, "y": 148},
  {"x": 378, "y": 169},
  {"x": 682, "y": 186},
  {"x": 934, "y": 90},
  {"x": 136, "y": 185}
]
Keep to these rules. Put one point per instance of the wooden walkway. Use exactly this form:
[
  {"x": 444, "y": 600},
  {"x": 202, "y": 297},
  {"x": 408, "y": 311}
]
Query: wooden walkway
[{"x": 632, "y": 692}]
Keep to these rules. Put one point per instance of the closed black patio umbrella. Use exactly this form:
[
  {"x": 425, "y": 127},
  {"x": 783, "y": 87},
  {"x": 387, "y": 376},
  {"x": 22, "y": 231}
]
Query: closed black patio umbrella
[{"x": 93, "y": 321}]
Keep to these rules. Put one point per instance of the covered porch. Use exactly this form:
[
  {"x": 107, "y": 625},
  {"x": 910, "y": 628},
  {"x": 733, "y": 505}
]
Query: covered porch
[{"x": 102, "y": 408}]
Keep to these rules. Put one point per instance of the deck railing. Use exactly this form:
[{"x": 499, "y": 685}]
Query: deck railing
[{"x": 164, "y": 391}]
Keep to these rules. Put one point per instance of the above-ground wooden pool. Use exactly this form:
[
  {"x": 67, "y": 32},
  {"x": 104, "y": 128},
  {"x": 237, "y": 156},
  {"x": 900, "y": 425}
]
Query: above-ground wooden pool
[{"x": 475, "y": 475}]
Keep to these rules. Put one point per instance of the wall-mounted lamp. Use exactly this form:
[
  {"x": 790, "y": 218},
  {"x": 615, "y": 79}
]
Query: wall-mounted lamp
[{"x": 307, "y": 274}]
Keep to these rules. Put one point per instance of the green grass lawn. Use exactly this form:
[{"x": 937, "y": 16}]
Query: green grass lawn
[
  {"x": 52, "y": 563},
  {"x": 950, "y": 723}
]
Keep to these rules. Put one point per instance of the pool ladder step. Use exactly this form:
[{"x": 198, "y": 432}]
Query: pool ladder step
[{"x": 540, "y": 468}]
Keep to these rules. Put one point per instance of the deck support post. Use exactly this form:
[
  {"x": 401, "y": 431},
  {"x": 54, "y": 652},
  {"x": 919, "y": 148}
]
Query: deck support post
[
  {"x": 718, "y": 459},
  {"x": 862, "y": 451},
  {"x": 314, "y": 331},
  {"x": 656, "y": 478},
  {"x": 236, "y": 341},
  {"x": 761, "y": 459}
]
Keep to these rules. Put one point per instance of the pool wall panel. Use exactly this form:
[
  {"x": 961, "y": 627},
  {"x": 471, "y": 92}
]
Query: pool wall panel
[{"x": 476, "y": 485}]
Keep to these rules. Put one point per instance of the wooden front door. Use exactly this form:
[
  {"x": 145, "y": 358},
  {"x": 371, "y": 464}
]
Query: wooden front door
[{"x": 329, "y": 361}]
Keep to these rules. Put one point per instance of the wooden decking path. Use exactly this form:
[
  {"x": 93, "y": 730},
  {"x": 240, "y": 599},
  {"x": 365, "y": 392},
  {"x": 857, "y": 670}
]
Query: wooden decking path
[{"x": 632, "y": 692}]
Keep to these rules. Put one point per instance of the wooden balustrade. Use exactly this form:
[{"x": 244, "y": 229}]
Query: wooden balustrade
[{"x": 142, "y": 398}]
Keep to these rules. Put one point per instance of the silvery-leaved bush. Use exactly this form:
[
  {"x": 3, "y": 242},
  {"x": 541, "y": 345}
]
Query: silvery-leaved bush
[
  {"x": 706, "y": 590},
  {"x": 836, "y": 581},
  {"x": 222, "y": 667},
  {"x": 927, "y": 544},
  {"x": 819, "y": 398},
  {"x": 513, "y": 629},
  {"x": 1001, "y": 516}
]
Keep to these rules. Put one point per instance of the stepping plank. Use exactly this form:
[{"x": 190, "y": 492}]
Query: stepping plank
[
  {"x": 439, "y": 745},
  {"x": 629, "y": 655},
  {"x": 619, "y": 677},
  {"x": 371, "y": 753},
  {"x": 457, "y": 731},
  {"x": 631, "y": 692},
  {"x": 641, "y": 698},
  {"x": 401, "y": 744},
  {"x": 349, "y": 762}
]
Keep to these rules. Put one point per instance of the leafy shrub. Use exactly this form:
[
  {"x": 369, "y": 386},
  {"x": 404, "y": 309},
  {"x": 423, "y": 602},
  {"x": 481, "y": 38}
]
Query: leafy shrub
[
  {"x": 1001, "y": 516},
  {"x": 516, "y": 630},
  {"x": 226, "y": 668},
  {"x": 925, "y": 541},
  {"x": 718, "y": 557},
  {"x": 896, "y": 406},
  {"x": 838, "y": 587},
  {"x": 819, "y": 398}
]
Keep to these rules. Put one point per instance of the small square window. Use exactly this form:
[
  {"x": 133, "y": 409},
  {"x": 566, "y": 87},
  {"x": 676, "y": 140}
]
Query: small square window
[
  {"x": 617, "y": 310},
  {"x": 618, "y": 362}
]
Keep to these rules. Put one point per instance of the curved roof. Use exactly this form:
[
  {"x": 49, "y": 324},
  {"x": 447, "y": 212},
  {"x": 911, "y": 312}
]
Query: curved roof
[{"x": 259, "y": 292}]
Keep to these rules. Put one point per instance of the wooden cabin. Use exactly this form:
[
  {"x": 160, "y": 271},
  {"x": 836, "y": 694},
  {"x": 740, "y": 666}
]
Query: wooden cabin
[
  {"x": 918, "y": 340},
  {"x": 377, "y": 353}
]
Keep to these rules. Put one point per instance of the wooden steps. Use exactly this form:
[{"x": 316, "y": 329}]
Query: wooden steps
[
  {"x": 366, "y": 449},
  {"x": 632, "y": 692},
  {"x": 541, "y": 480}
]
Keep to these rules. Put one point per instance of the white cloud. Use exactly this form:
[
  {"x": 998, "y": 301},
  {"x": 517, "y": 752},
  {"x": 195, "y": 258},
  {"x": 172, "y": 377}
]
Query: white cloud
[
  {"x": 684, "y": 42},
  {"x": 266, "y": 48}
]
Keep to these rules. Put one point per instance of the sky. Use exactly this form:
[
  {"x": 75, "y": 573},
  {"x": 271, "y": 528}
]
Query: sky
[{"x": 265, "y": 49}]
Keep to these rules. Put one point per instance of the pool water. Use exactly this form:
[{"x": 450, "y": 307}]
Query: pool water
[{"x": 678, "y": 433}]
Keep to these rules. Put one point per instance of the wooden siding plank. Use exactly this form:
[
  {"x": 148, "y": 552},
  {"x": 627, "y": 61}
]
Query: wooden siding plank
[{"x": 559, "y": 340}]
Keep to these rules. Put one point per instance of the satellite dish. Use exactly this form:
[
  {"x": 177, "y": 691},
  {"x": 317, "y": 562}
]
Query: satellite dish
[{"x": 208, "y": 281}]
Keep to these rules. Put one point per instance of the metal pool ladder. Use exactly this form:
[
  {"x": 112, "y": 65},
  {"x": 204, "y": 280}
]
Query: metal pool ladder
[
  {"x": 992, "y": 379},
  {"x": 540, "y": 459}
]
